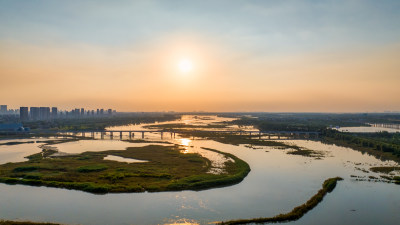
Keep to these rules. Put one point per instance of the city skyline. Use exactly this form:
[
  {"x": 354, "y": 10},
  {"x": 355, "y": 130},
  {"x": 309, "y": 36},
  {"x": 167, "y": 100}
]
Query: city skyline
[{"x": 269, "y": 56}]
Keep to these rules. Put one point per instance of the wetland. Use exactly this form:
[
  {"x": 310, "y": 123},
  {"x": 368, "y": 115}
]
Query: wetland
[{"x": 277, "y": 183}]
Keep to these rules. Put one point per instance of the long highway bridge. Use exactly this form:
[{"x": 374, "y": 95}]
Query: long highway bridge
[{"x": 173, "y": 132}]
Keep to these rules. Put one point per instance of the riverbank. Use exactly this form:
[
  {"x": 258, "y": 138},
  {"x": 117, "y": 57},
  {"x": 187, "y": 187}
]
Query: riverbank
[
  {"x": 364, "y": 149},
  {"x": 297, "y": 212}
]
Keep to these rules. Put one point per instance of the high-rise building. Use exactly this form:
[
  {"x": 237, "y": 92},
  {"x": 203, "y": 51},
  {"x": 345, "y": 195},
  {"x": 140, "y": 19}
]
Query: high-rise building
[
  {"x": 44, "y": 113},
  {"x": 101, "y": 112},
  {"x": 92, "y": 112},
  {"x": 76, "y": 112},
  {"x": 82, "y": 111},
  {"x": 3, "y": 109},
  {"x": 23, "y": 113},
  {"x": 109, "y": 112},
  {"x": 35, "y": 113},
  {"x": 98, "y": 112},
  {"x": 54, "y": 112}
]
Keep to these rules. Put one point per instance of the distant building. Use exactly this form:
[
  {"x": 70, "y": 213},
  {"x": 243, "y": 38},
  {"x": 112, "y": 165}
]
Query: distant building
[
  {"x": 76, "y": 112},
  {"x": 3, "y": 109},
  {"x": 101, "y": 111},
  {"x": 82, "y": 111},
  {"x": 98, "y": 112},
  {"x": 23, "y": 113},
  {"x": 92, "y": 112},
  {"x": 35, "y": 113},
  {"x": 109, "y": 111},
  {"x": 44, "y": 113},
  {"x": 54, "y": 112}
]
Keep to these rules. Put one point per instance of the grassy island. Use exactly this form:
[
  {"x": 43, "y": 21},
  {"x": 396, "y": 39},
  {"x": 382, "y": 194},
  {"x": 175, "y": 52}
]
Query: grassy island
[
  {"x": 166, "y": 169},
  {"x": 297, "y": 212}
]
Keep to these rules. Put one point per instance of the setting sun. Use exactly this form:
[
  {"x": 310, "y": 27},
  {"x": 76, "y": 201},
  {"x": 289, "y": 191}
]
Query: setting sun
[{"x": 185, "y": 65}]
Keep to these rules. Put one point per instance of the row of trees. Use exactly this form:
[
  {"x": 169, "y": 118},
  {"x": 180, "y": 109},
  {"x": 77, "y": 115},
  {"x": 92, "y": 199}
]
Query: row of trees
[{"x": 367, "y": 142}]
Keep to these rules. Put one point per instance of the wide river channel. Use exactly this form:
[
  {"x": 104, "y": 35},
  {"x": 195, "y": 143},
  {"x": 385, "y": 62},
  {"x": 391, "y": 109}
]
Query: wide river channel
[{"x": 277, "y": 183}]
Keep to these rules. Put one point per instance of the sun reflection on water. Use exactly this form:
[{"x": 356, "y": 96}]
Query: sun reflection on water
[{"x": 184, "y": 142}]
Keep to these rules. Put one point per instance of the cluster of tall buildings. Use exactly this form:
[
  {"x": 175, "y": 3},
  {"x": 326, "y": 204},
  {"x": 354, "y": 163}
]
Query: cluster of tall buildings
[
  {"x": 5, "y": 111},
  {"x": 37, "y": 113},
  {"x": 49, "y": 113}
]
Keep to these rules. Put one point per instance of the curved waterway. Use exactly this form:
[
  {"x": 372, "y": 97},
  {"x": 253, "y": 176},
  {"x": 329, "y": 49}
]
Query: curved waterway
[{"x": 277, "y": 183}]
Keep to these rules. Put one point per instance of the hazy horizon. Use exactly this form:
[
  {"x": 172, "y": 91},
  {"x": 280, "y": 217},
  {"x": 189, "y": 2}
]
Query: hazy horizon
[{"x": 230, "y": 56}]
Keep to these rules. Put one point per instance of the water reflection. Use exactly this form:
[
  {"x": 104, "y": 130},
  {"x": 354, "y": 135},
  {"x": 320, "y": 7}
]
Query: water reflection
[{"x": 122, "y": 159}]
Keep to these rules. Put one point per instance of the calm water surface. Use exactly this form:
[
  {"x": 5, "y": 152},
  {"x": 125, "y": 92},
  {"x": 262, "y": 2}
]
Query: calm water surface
[{"x": 277, "y": 183}]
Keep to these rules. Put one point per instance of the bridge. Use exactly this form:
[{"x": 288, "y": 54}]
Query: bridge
[{"x": 172, "y": 132}]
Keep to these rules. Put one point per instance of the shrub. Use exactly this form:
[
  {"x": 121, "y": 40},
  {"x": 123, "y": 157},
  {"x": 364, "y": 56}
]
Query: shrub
[
  {"x": 92, "y": 168},
  {"x": 25, "y": 168}
]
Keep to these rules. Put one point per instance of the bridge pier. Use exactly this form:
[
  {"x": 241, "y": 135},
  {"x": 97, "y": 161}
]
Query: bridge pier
[
  {"x": 102, "y": 135},
  {"x": 142, "y": 134},
  {"x": 130, "y": 135},
  {"x": 162, "y": 133},
  {"x": 120, "y": 135}
]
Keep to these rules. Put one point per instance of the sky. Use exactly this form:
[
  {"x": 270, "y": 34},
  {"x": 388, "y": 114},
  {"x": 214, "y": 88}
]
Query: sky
[{"x": 264, "y": 56}]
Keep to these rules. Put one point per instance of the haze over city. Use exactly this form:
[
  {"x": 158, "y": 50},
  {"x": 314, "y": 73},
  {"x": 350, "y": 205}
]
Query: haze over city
[{"x": 274, "y": 56}]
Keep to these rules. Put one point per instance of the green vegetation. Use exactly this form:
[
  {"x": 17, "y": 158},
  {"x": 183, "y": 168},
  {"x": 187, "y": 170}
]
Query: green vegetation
[
  {"x": 309, "y": 121},
  {"x": 382, "y": 145},
  {"x": 385, "y": 169},
  {"x": 92, "y": 168},
  {"x": 307, "y": 153},
  {"x": 297, "y": 212},
  {"x": 17, "y": 142},
  {"x": 167, "y": 169},
  {"x": 396, "y": 179},
  {"x": 299, "y": 121}
]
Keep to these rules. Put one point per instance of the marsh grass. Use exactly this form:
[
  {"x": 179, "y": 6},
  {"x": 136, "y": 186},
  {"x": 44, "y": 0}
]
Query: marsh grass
[
  {"x": 385, "y": 169},
  {"x": 17, "y": 142},
  {"x": 298, "y": 211},
  {"x": 167, "y": 169}
]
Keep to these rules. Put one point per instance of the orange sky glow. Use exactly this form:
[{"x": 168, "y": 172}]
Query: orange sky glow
[{"x": 234, "y": 75}]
